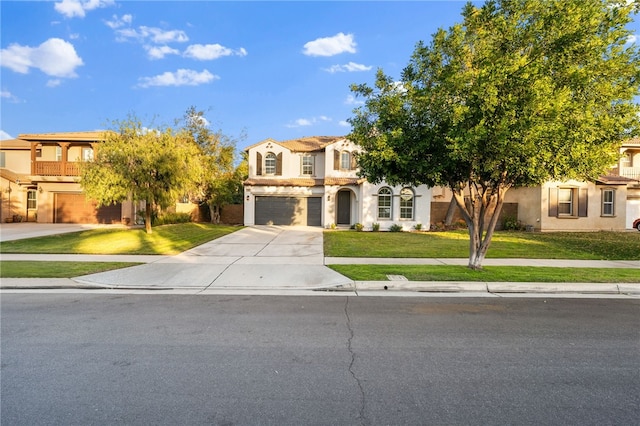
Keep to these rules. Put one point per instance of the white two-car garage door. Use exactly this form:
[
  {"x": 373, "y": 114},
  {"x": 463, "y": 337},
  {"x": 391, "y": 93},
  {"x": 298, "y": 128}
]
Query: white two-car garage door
[{"x": 288, "y": 211}]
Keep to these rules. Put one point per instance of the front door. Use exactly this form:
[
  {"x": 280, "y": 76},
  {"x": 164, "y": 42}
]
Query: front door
[{"x": 344, "y": 208}]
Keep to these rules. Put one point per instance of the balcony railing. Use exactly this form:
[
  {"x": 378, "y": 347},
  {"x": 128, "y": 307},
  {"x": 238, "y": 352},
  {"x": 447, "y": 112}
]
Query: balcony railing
[
  {"x": 630, "y": 172},
  {"x": 54, "y": 168}
]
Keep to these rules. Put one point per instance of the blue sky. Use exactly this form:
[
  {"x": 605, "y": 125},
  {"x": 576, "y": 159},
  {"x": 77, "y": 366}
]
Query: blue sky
[{"x": 277, "y": 70}]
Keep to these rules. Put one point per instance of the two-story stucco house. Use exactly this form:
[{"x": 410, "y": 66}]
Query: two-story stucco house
[
  {"x": 313, "y": 181},
  {"x": 39, "y": 180}
]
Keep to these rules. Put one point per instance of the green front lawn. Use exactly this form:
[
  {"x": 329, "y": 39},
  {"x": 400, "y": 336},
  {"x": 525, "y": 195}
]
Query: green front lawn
[
  {"x": 455, "y": 244},
  {"x": 489, "y": 273},
  {"x": 165, "y": 240},
  {"x": 47, "y": 269}
]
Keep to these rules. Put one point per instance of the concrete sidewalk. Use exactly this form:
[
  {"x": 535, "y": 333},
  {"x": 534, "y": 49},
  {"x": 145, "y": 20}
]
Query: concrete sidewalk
[{"x": 288, "y": 258}]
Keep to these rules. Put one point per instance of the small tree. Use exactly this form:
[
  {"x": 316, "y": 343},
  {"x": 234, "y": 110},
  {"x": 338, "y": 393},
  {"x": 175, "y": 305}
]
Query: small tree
[
  {"x": 219, "y": 180},
  {"x": 521, "y": 92},
  {"x": 154, "y": 166}
]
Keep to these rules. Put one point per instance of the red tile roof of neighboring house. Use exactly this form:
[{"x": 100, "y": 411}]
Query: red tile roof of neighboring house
[
  {"x": 90, "y": 136},
  {"x": 615, "y": 180},
  {"x": 284, "y": 182}
]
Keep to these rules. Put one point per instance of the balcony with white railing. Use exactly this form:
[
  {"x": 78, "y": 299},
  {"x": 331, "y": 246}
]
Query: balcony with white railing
[{"x": 630, "y": 172}]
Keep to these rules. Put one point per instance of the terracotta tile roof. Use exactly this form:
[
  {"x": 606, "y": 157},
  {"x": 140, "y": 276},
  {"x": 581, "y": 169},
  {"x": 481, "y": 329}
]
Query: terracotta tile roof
[
  {"x": 305, "y": 144},
  {"x": 634, "y": 141},
  {"x": 15, "y": 144},
  {"x": 13, "y": 176},
  {"x": 91, "y": 136},
  {"x": 343, "y": 181},
  {"x": 310, "y": 144},
  {"x": 284, "y": 182},
  {"x": 615, "y": 180}
]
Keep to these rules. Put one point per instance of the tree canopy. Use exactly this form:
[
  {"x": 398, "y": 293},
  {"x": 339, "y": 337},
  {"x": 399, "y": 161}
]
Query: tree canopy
[
  {"x": 220, "y": 181},
  {"x": 519, "y": 93},
  {"x": 152, "y": 165}
]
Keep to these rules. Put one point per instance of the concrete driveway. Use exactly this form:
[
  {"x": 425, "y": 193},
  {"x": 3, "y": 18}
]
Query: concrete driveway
[
  {"x": 22, "y": 230},
  {"x": 260, "y": 257}
]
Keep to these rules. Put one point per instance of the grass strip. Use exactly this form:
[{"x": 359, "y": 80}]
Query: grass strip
[
  {"x": 505, "y": 244},
  {"x": 49, "y": 269},
  {"x": 166, "y": 240},
  {"x": 489, "y": 273}
]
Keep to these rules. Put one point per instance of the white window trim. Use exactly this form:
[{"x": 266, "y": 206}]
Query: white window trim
[
  {"x": 390, "y": 207},
  {"x": 275, "y": 161},
  {"x": 612, "y": 203}
]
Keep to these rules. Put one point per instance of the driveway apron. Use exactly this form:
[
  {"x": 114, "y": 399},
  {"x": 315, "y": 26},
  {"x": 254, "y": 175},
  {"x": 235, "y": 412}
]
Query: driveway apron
[{"x": 259, "y": 257}]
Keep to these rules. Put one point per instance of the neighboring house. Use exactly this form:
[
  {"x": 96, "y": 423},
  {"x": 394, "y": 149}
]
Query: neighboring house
[
  {"x": 313, "y": 181},
  {"x": 39, "y": 180},
  {"x": 612, "y": 202}
]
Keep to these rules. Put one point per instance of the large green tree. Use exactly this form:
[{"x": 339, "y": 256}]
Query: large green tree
[
  {"x": 153, "y": 165},
  {"x": 220, "y": 179},
  {"x": 519, "y": 93}
]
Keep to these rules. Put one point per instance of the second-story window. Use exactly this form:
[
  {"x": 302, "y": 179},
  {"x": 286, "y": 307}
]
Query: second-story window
[
  {"x": 307, "y": 165},
  {"x": 270, "y": 164},
  {"x": 87, "y": 154},
  {"x": 345, "y": 160}
]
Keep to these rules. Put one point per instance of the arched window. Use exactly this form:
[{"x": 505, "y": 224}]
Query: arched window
[
  {"x": 345, "y": 160},
  {"x": 270, "y": 164},
  {"x": 406, "y": 204},
  {"x": 384, "y": 203}
]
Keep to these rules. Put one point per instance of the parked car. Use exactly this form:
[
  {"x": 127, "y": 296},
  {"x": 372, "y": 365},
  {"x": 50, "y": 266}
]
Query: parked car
[{"x": 636, "y": 224}]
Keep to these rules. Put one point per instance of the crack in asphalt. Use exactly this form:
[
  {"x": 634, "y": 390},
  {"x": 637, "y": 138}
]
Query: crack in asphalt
[{"x": 361, "y": 415}]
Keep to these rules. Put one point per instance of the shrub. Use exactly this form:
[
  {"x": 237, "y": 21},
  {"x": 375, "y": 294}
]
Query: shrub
[
  {"x": 169, "y": 218},
  {"x": 418, "y": 227},
  {"x": 358, "y": 227},
  {"x": 375, "y": 227},
  {"x": 395, "y": 228},
  {"x": 511, "y": 223}
]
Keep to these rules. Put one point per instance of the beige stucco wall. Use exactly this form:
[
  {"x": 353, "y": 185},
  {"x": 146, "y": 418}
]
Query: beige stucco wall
[
  {"x": 594, "y": 220},
  {"x": 528, "y": 199},
  {"x": 18, "y": 161},
  {"x": 13, "y": 200}
]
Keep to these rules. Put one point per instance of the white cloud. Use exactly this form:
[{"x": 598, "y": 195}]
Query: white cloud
[
  {"x": 350, "y": 67},
  {"x": 73, "y": 8},
  {"x": 344, "y": 123},
  {"x": 182, "y": 77},
  {"x": 4, "y": 135},
  {"x": 153, "y": 34},
  {"x": 205, "y": 52},
  {"x": 54, "y": 83},
  {"x": 632, "y": 38},
  {"x": 351, "y": 100},
  {"x": 159, "y": 52},
  {"x": 303, "y": 122},
  {"x": 54, "y": 57},
  {"x": 329, "y": 46},
  {"x": 5, "y": 94},
  {"x": 116, "y": 22}
]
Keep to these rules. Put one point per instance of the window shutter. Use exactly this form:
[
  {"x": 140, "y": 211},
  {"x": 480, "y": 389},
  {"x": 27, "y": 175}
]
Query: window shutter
[
  {"x": 336, "y": 160},
  {"x": 553, "y": 202},
  {"x": 354, "y": 164},
  {"x": 583, "y": 199},
  {"x": 258, "y": 164},
  {"x": 279, "y": 164}
]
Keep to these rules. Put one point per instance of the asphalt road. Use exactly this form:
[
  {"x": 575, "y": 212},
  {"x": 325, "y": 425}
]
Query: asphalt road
[{"x": 96, "y": 359}]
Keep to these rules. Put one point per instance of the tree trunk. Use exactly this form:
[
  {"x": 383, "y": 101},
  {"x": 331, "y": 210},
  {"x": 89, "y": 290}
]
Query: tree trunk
[
  {"x": 450, "y": 212},
  {"x": 483, "y": 209},
  {"x": 147, "y": 217},
  {"x": 214, "y": 212}
]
